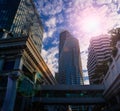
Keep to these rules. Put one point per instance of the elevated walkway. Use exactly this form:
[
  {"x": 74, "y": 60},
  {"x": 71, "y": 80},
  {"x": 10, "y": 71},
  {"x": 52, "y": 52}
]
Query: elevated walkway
[
  {"x": 71, "y": 88},
  {"x": 70, "y": 94},
  {"x": 70, "y": 101}
]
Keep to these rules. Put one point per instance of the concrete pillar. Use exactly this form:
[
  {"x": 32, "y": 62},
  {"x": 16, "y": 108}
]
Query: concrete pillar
[
  {"x": 18, "y": 63},
  {"x": 23, "y": 104},
  {"x": 9, "y": 101},
  {"x": 5, "y": 35},
  {"x": 118, "y": 99},
  {"x": 8, "y": 104}
]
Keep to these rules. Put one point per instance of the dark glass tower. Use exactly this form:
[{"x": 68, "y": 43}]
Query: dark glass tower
[
  {"x": 8, "y": 10},
  {"x": 70, "y": 68},
  {"x": 20, "y": 17}
]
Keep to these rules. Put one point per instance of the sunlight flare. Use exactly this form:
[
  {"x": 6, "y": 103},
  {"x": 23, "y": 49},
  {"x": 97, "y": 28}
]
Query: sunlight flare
[{"x": 91, "y": 24}]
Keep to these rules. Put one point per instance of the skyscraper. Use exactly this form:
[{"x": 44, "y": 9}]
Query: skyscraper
[
  {"x": 99, "y": 53},
  {"x": 20, "y": 17},
  {"x": 70, "y": 68}
]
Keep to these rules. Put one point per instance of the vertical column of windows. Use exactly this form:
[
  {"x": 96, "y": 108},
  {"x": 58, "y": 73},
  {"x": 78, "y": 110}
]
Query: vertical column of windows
[
  {"x": 37, "y": 35},
  {"x": 25, "y": 11},
  {"x": 18, "y": 20}
]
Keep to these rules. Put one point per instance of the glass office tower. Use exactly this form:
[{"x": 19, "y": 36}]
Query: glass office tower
[
  {"x": 20, "y": 17},
  {"x": 70, "y": 68}
]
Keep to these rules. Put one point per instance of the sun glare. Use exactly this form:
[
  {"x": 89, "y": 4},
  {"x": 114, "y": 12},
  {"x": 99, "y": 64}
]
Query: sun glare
[{"x": 91, "y": 25}]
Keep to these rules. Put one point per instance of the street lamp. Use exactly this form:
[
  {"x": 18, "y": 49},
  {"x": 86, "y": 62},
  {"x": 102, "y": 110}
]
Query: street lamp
[{"x": 6, "y": 33}]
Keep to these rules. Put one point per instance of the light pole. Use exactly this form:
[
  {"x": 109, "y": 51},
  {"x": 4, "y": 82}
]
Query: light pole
[{"x": 5, "y": 33}]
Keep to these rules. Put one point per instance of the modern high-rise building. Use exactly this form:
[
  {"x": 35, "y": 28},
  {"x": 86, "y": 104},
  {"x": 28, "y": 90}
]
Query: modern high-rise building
[
  {"x": 20, "y": 17},
  {"x": 21, "y": 36},
  {"x": 70, "y": 68},
  {"x": 99, "y": 53}
]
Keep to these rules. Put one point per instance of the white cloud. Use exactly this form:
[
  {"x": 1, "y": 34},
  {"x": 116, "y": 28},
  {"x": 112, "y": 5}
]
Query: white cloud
[
  {"x": 55, "y": 42},
  {"x": 50, "y": 59},
  {"x": 85, "y": 74},
  {"x": 85, "y": 77},
  {"x": 86, "y": 82},
  {"x": 101, "y": 2},
  {"x": 79, "y": 5},
  {"x": 44, "y": 35},
  {"x": 50, "y": 32},
  {"x": 103, "y": 10},
  {"x": 51, "y": 23},
  {"x": 84, "y": 60},
  {"x": 108, "y": 20},
  {"x": 75, "y": 13},
  {"x": 51, "y": 7},
  {"x": 60, "y": 18}
]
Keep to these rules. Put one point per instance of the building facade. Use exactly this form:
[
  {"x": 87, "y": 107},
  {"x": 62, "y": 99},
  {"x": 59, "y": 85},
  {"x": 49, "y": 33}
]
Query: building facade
[
  {"x": 21, "y": 69},
  {"x": 99, "y": 53},
  {"x": 21, "y": 65},
  {"x": 111, "y": 82},
  {"x": 20, "y": 17},
  {"x": 70, "y": 68}
]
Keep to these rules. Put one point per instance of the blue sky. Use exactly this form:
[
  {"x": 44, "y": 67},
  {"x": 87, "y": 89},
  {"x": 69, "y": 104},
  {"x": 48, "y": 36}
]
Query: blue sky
[{"x": 75, "y": 16}]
